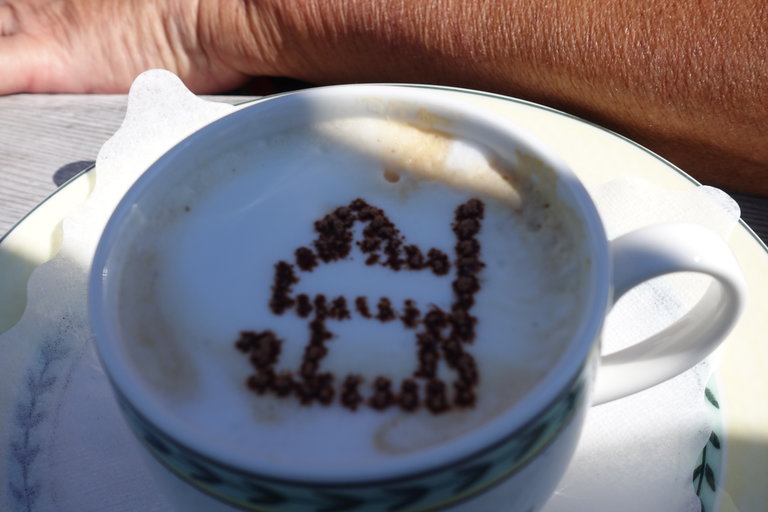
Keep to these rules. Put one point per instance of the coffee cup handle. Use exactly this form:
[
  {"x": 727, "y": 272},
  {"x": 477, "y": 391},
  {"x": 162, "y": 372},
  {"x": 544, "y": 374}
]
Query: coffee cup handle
[{"x": 658, "y": 250}]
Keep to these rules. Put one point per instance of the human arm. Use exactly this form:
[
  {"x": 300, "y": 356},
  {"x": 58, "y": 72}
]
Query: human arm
[{"x": 686, "y": 79}]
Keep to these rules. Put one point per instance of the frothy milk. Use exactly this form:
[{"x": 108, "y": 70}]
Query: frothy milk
[{"x": 356, "y": 237}]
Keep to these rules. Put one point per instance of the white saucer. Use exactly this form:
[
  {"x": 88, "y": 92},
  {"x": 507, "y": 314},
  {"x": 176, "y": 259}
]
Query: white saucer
[{"x": 62, "y": 412}]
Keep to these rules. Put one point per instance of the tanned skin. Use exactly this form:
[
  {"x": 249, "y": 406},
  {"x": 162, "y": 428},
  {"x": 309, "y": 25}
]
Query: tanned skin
[{"x": 687, "y": 79}]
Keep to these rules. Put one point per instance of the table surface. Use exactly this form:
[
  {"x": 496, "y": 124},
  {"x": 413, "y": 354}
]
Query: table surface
[{"x": 45, "y": 139}]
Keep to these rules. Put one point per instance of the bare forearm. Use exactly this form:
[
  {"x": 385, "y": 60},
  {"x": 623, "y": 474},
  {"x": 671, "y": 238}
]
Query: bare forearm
[
  {"x": 689, "y": 81},
  {"x": 686, "y": 78}
]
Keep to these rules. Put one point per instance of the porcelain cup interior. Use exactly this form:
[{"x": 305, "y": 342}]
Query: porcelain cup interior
[{"x": 421, "y": 108}]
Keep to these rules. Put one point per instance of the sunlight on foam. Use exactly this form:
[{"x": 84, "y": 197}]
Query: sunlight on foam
[
  {"x": 34, "y": 241},
  {"x": 405, "y": 149}
]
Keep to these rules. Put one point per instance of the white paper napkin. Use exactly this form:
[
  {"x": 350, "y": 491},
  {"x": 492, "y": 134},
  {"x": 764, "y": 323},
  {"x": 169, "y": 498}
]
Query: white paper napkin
[
  {"x": 67, "y": 448},
  {"x": 640, "y": 451}
]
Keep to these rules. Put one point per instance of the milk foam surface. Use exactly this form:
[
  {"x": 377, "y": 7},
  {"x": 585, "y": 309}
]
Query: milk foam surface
[{"x": 202, "y": 270}]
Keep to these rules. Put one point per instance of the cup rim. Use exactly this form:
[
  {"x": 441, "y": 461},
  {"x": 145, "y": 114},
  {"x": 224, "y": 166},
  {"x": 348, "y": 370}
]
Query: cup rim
[{"x": 498, "y": 131}]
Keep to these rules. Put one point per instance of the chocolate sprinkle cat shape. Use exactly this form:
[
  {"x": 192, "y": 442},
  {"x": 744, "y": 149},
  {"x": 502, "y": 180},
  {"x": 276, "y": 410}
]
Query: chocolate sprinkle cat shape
[{"x": 439, "y": 335}]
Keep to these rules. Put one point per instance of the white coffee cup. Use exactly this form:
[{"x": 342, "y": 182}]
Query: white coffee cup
[{"x": 169, "y": 280}]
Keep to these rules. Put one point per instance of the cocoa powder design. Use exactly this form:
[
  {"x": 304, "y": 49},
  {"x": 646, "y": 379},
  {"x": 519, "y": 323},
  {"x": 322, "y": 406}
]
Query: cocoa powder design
[{"x": 439, "y": 335}]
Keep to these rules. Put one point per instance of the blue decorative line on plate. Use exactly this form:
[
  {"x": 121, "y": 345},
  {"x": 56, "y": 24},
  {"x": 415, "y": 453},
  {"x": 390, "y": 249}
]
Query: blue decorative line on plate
[
  {"x": 706, "y": 474},
  {"x": 30, "y": 414}
]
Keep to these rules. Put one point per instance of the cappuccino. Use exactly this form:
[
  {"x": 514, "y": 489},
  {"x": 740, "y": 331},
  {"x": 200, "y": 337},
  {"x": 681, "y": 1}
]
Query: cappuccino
[{"x": 356, "y": 290}]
